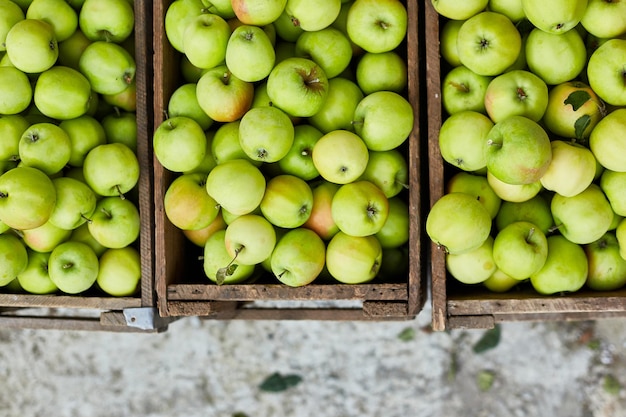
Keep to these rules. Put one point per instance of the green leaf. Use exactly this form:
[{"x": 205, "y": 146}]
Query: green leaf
[
  {"x": 277, "y": 382},
  {"x": 407, "y": 334},
  {"x": 577, "y": 99},
  {"x": 611, "y": 385},
  {"x": 224, "y": 273},
  {"x": 489, "y": 340},
  {"x": 485, "y": 379},
  {"x": 581, "y": 124}
]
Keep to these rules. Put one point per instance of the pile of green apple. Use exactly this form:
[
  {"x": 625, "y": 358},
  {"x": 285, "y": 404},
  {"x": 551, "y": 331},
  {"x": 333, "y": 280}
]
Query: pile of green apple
[
  {"x": 69, "y": 220},
  {"x": 287, "y": 136},
  {"x": 534, "y": 144}
]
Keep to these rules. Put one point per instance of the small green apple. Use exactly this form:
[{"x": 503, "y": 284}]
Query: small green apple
[
  {"x": 205, "y": 39},
  {"x": 35, "y": 278},
  {"x": 237, "y": 185},
  {"x": 16, "y": 92},
  {"x": 219, "y": 266},
  {"x": 287, "y": 201},
  {"x": 516, "y": 193},
  {"x": 31, "y": 45},
  {"x": 109, "y": 67},
  {"x": 179, "y": 143},
  {"x": 607, "y": 140},
  {"x": 27, "y": 197},
  {"x": 395, "y": 231},
  {"x": 472, "y": 267},
  {"x": 299, "y": 161},
  {"x": 250, "y": 239},
  {"x": 266, "y": 134},
  {"x": 111, "y": 169},
  {"x": 520, "y": 249},
  {"x": 298, "y": 258},
  {"x": 353, "y": 259},
  {"x": 62, "y": 93},
  {"x": 119, "y": 272},
  {"x": 459, "y": 10},
  {"x": 75, "y": 203},
  {"x": 13, "y": 257},
  {"x": 85, "y": 133},
  {"x": 613, "y": 185},
  {"x": 388, "y": 170},
  {"x": 463, "y": 89},
  {"x": 187, "y": 204},
  {"x": 557, "y": 16},
  {"x": 329, "y": 47},
  {"x": 45, "y": 146},
  {"x": 110, "y": 21},
  {"x": 320, "y": 220},
  {"x": 377, "y": 26},
  {"x": 184, "y": 102},
  {"x": 115, "y": 223},
  {"x": 607, "y": 268},
  {"x": 73, "y": 267},
  {"x": 605, "y": 71},
  {"x": 58, "y": 13},
  {"x": 45, "y": 238},
  {"x": 313, "y": 15},
  {"x": 337, "y": 112},
  {"x": 250, "y": 54},
  {"x": 463, "y": 147},
  {"x": 478, "y": 186},
  {"x": 571, "y": 170},
  {"x": 535, "y": 210},
  {"x": 340, "y": 156},
  {"x": 565, "y": 268}
]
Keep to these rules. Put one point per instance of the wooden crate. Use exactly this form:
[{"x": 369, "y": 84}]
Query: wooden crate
[
  {"x": 92, "y": 310},
  {"x": 461, "y": 306},
  {"x": 183, "y": 289}
]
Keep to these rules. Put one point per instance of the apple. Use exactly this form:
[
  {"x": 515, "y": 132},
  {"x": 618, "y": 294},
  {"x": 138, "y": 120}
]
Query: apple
[
  {"x": 73, "y": 267},
  {"x": 607, "y": 269},
  {"x": 329, "y": 48},
  {"x": 124, "y": 100},
  {"x": 458, "y": 222},
  {"x": 258, "y": 12},
  {"x": 478, "y": 186},
  {"x": 459, "y": 10},
  {"x": 565, "y": 268},
  {"x": 178, "y": 16},
  {"x": 44, "y": 238},
  {"x": 218, "y": 265},
  {"x": 108, "y": 67},
  {"x": 298, "y": 86},
  {"x": 571, "y": 170},
  {"x": 388, "y": 170},
  {"x": 448, "y": 34},
  {"x": 288, "y": 29},
  {"x": 340, "y": 156},
  {"x": 518, "y": 150},
  {"x": 13, "y": 257},
  {"x": 605, "y": 71},
  {"x": 516, "y": 92},
  {"x": 353, "y": 259},
  {"x": 115, "y": 223},
  {"x": 516, "y": 193},
  {"x": 11, "y": 129},
  {"x": 377, "y": 26},
  {"x": 472, "y": 267},
  {"x": 584, "y": 217},
  {"x": 463, "y": 89},
  {"x": 298, "y": 258},
  {"x": 287, "y": 201},
  {"x": 557, "y": 16},
  {"x": 199, "y": 237},
  {"x": 71, "y": 49},
  {"x": 179, "y": 143},
  {"x": 266, "y": 134},
  {"x": 613, "y": 185},
  {"x": 320, "y": 219},
  {"x": 500, "y": 282},
  {"x": 35, "y": 278},
  {"x": 299, "y": 161},
  {"x": 225, "y": 143},
  {"x": 82, "y": 234},
  {"x": 187, "y": 204},
  {"x": 45, "y": 146},
  {"x": 121, "y": 127},
  {"x": 499, "y": 43},
  {"x": 607, "y": 141},
  {"x": 250, "y": 53},
  {"x": 85, "y": 133},
  {"x": 205, "y": 39},
  {"x": 620, "y": 234},
  {"x": 520, "y": 249},
  {"x": 337, "y": 112},
  {"x": 31, "y": 45},
  {"x": 222, "y": 95},
  {"x": 461, "y": 146},
  {"x": 184, "y": 102},
  {"x": 313, "y": 15},
  {"x": 58, "y": 13},
  {"x": 535, "y": 210},
  {"x": 395, "y": 230},
  {"x": 359, "y": 208},
  {"x": 75, "y": 203},
  {"x": 604, "y": 19},
  {"x": 11, "y": 14},
  {"x": 381, "y": 71},
  {"x": 110, "y": 21},
  {"x": 512, "y": 9},
  {"x": 62, "y": 93},
  {"x": 16, "y": 92},
  {"x": 111, "y": 169},
  {"x": 383, "y": 120},
  {"x": 27, "y": 197},
  {"x": 250, "y": 239},
  {"x": 119, "y": 271},
  {"x": 236, "y": 185}
]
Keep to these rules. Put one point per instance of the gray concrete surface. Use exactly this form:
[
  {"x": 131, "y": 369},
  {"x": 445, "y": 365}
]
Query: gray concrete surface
[{"x": 201, "y": 368}]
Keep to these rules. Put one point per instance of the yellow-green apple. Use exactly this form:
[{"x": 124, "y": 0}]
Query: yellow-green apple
[
  {"x": 222, "y": 95},
  {"x": 337, "y": 112},
  {"x": 573, "y": 110},
  {"x": 125, "y": 100},
  {"x": 359, "y": 208},
  {"x": 187, "y": 204},
  {"x": 299, "y": 161},
  {"x": 62, "y": 93},
  {"x": 384, "y": 120},
  {"x": 258, "y": 12},
  {"x": 287, "y": 29},
  {"x": 31, "y": 45},
  {"x": 557, "y": 16},
  {"x": 512, "y": 9},
  {"x": 44, "y": 238},
  {"x": 287, "y": 201},
  {"x": 565, "y": 269},
  {"x": 266, "y": 134},
  {"x": 472, "y": 267},
  {"x": 604, "y": 19},
  {"x": 463, "y": 89},
  {"x": 516, "y": 92},
  {"x": 115, "y": 223},
  {"x": 584, "y": 217},
  {"x": 607, "y": 268},
  {"x": 340, "y": 156},
  {"x": 45, "y": 146},
  {"x": 109, "y": 67},
  {"x": 11, "y": 14},
  {"x": 71, "y": 49},
  {"x": 298, "y": 86},
  {"x": 605, "y": 71},
  {"x": 184, "y": 102},
  {"x": 535, "y": 210},
  {"x": 608, "y": 139},
  {"x": 520, "y": 249},
  {"x": 571, "y": 170},
  {"x": 313, "y": 15},
  {"x": 111, "y": 169},
  {"x": 321, "y": 220},
  {"x": 353, "y": 259},
  {"x": 459, "y": 9},
  {"x": 458, "y": 222},
  {"x": 381, "y": 71},
  {"x": 35, "y": 278},
  {"x": 73, "y": 267},
  {"x": 236, "y": 185},
  {"x": 75, "y": 203},
  {"x": 329, "y": 48},
  {"x": 110, "y": 21},
  {"x": 461, "y": 146},
  {"x": 388, "y": 170},
  {"x": 518, "y": 150},
  {"x": 16, "y": 91},
  {"x": 121, "y": 127},
  {"x": 478, "y": 186},
  {"x": 620, "y": 234},
  {"x": 119, "y": 271},
  {"x": 85, "y": 133},
  {"x": 14, "y": 257},
  {"x": 11, "y": 128},
  {"x": 613, "y": 185},
  {"x": 488, "y": 43},
  {"x": 204, "y": 40},
  {"x": 447, "y": 41},
  {"x": 199, "y": 237},
  {"x": 82, "y": 234},
  {"x": 555, "y": 57},
  {"x": 395, "y": 230},
  {"x": 513, "y": 192},
  {"x": 219, "y": 266},
  {"x": 223, "y": 8},
  {"x": 179, "y": 143},
  {"x": 500, "y": 282},
  {"x": 178, "y": 16},
  {"x": 249, "y": 53},
  {"x": 58, "y": 13},
  {"x": 225, "y": 143},
  {"x": 299, "y": 257},
  {"x": 27, "y": 197},
  {"x": 250, "y": 239},
  {"x": 377, "y": 26}
]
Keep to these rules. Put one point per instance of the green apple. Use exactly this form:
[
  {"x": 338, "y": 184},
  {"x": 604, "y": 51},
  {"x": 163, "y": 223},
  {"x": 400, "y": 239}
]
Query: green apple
[
  {"x": 565, "y": 269},
  {"x": 518, "y": 150},
  {"x": 388, "y": 170},
  {"x": 298, "y": 258},
  {"x": 109, "y": 67},
  {"x": 557, "y": 16},
  {"x": 288, "y": 29},
  {"x": 184, "y": 102},
  {"x": 111, "y": 169},
  {"x": 236, "y": 185},
  {"x": 199, "y": 237},
  {"x": 613, "y": 185},
  {"x": 535, "y": 210},
  {"x": 125, "y": 100},
  {"x": 177, "y": 19},
  {"x": 458, "y": 222},
  {"x": 328, "y": 47},
  {"x": 384, "y": 120},
  {"x": 72, "y": 48},
  {"x": 500, "y": 282},
  {"x": 250, "y": 53},
  {"x": 250, "y": 239},
  {"x": 512, "y": 9},
  {"x": 478, "y": 186},
  {"x": 359, "y": 208},
  {"x": 571, "y": 170},
  {"x": 266, "y": 134},
  {"x": 607, "y": 268},
  {"x": 321, "y": 220},
  {"x": 258, "y": 12},
  {"x": 120, "y": 127},
  {"x": 516, "y": 193},
  {"x": 58, "y": 13},
  {"x": 382, "y": 71},
  {"x": 395, "y": 230},
  {"x": 27, "y": 197},
  {"x": 520, "y": 249},
  {"x": 607, "y": 141},
  {"x": 75, "y": 203},
  {"x": 73, "y": 267},
  {"x": 11, "y": 14},
  {"x": 459, "y": 9},
  {"x": 461, "y": 146},
  {"x": 13, "y": 257},
  {"x": 287, "y": 201},
  {"x": 225, "y": 143},
  {"x": 605, "y": 19},
  {"x": 179, "y": 143},
  {"x": 340, "y": 156},
  {"x": 298, "y": 161},
  {"x": 620, "y": 234},
  {"x": 31, "y": 45},
  {"x": 337, "y": 112},
  {"x": 463, "y": 89},
  {"x": 85, "y": 133},
  {"x": 605, "y": 71},
  {"x": 110, "y": 21},
  {"x": 205, "y": 40},
  {"x": 377, "y": 26},
  {"x": 488, "y": 43},
  {"x": 45, "y": 238},
  {"x": 516, "y": 92},
  {"x": 472, "y": 267},
  {"x": 45, "y": 146},
  {"x": 353, "y": 259},
  {"x": 115, "y": 223},
  {"x": 62, "y": 93},
  {"x": 119, "y": 271},
  {"x": 16, "y": 92},
  {"x": 584, "y": 217},
  {"x": 222, "y": 95},
  {"x": 218, "y": 265},
  {"x": 82, "y": 234},
  {"x": 448, "y": 33},
  {"x": 35, "y": 278},
  {"x": 313, "y": 15},
  {"x": 187, "y": 204},
  {"x": 11, "y": 129}
]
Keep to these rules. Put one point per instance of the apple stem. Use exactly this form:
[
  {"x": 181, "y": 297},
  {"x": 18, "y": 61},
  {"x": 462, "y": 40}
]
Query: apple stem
[
  {"x": 403, "y": 184},
  {"x": 554, "y": 228},
  {"x": 87, "y": 219},
  {"x": 106, "y": 212},
  {"x": 460, "y": 86},
  {"x": 119, "y": 192},
  {"x": 229, "y": 269},
  {"x": 490, "y": 142},
  {"x": 356, "y": 122},
  {"x": 68, "y": 265},
  {"x": 18, "y": 232},
  {"x": 530, "y": 234}
]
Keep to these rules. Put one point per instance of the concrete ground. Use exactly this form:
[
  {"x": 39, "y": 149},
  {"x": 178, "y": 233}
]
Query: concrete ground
[{"x": 201, "y": 368}]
